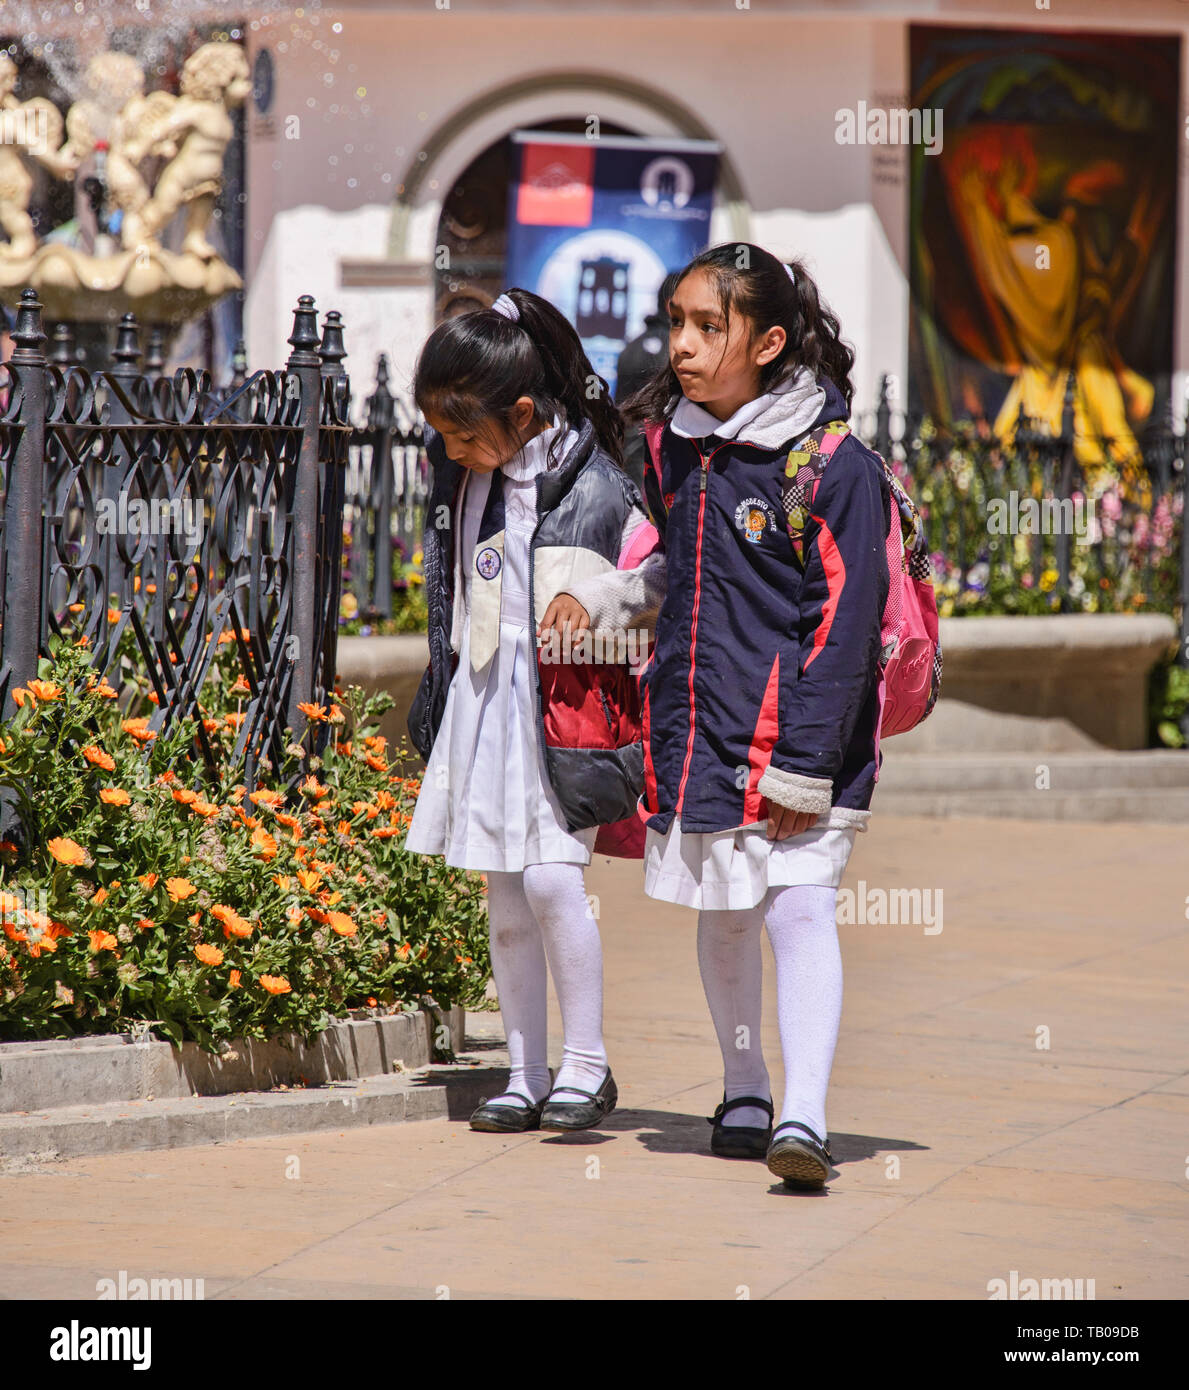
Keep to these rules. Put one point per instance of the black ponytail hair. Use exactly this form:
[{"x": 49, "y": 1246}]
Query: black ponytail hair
[
  {"x": 474, "y": 367},
  {"x": 754, "y": 283}
]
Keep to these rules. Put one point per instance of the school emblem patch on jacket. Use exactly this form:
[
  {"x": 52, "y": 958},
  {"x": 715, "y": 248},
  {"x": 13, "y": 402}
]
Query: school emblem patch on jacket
[
  {"x": 753, "y": 516},
  {"x": 488, "y": 563}
]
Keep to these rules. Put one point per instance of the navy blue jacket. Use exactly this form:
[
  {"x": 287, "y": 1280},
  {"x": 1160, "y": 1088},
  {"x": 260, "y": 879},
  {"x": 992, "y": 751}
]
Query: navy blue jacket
[{"x": 764, "y": 680}]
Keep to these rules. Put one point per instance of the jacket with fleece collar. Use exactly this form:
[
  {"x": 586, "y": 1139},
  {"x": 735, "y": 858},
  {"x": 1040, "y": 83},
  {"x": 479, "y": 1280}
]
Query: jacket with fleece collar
[{"x": 764, "y": 681}]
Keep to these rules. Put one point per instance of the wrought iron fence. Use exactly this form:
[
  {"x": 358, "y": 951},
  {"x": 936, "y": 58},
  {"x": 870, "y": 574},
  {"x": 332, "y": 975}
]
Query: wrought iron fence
[{"x": 160, "y": 518}]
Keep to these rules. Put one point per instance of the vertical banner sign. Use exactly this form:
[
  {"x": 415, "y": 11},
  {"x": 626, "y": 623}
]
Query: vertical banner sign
[{"x": 594, "y": 226}]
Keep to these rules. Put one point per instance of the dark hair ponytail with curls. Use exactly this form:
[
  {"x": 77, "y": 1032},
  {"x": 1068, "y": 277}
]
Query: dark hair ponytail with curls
[
  {"x": 473, "y": 369},
  {"x": 753, "y": 283}
]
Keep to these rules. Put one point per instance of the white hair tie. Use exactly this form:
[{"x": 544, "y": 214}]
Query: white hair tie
[
  {"x": 507, "y": 306},
  {"x": 788, "y": 270}
]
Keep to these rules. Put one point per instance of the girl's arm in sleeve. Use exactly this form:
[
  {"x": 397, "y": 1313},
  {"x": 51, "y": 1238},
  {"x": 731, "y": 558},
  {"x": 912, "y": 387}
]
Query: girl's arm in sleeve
[
  {"x": 831, "y": 658},
  {"x": 629, "y": 598}
]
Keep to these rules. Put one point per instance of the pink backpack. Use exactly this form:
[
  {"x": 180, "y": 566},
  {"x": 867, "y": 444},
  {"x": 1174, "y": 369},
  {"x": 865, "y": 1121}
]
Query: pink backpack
[{"x": 910, "y": 676}]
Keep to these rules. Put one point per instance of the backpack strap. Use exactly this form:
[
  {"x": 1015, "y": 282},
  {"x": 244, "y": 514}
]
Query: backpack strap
[
  {"x": 803, "y": 471},
  {"x": 654, "y": 492}
]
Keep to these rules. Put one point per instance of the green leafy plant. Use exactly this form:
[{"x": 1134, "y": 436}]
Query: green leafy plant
[{"x": 132, "y": 894}]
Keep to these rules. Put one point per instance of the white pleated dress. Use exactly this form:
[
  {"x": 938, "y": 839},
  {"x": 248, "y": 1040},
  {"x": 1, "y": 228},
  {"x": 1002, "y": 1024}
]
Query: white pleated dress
[{"x": 485, "y": 801}]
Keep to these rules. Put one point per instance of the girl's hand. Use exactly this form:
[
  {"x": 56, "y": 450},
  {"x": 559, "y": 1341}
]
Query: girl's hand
[
  {"x": 564, "y": 611},
  {"x": 782, "y": 822}
]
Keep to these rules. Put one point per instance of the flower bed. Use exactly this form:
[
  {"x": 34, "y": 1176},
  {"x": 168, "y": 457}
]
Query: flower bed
[{"x": 130, "y": 897}]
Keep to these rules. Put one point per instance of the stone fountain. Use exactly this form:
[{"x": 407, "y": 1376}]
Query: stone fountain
[{"x": 121, "y": 132}]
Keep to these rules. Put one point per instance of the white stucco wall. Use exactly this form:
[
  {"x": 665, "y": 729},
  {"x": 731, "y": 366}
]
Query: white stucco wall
[{"x": 766, "y": 85}]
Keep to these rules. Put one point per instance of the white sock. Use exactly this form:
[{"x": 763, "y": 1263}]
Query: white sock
[
  {"x": 557, "y": 895},
  {"x": 518, "y": 968},
  {"x": 804, "y": 936},
  {"x": 731, "y": 965}
]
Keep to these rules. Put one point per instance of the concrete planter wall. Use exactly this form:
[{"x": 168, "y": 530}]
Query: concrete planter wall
[
  {"x": 1048, "y": 684},
  {"x": 37, "y": 1076}
]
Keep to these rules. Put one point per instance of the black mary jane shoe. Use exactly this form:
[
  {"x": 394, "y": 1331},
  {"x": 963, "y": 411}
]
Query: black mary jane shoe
[
  {"x": 802, "y": 1160},
  {"x": 740, "y": 1141},
  {"x": 564, "y": 1115},
  {"x": 507, "y": 1119}
]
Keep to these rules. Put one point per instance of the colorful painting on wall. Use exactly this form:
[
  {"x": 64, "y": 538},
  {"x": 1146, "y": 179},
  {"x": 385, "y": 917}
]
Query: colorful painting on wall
[{"x": 1043, "y": 235}]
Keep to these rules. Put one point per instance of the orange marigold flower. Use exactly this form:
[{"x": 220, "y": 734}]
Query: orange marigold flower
[
  {"x": 378, "y": 917},
  {"x": 185, "y": 796},
  {"x": 312, "y": 787},
  {"x": 345, "y": 748},
  {"x": 266, "y": 798},
  {"x": 234, "y": 719},
  {"x": 210, "y": 725},
  {"x": 291, "y": 823},
  {"x": 309, "y": 879},
  {"x": 282, "y": 881},
  {"x": 76, "y": 607},
  {"x": 336, "y": 715},
  {"x": 311, "y": 711},
  {"x": 99, "y": 758},
  {"x": 18, "y": 695},
  {"x": 386, "y": 832},
  {"x": 236, "y": 925},
  {"x": 275, "y": 984},
  {"x": 204, "y": 808},
  {"x": 241, "y": 686},
  {"x": 153, "y": 698},
  {"x": 344, "y": 828},
  {"x": 106, "y": 691},
  {"x": 179, "y": 889},
  {"x": 403, "y": 950},
  {"x": 45, "y": 690},
  {"x": 167, "y": 777},
  {"x": 66, "y": 851},
  {"x": 315, "y": 914},
  {"x": 233, "y": 979},
  {"x": 341, "y": 923},
  {"x": 377, "y": 764},
  {"x": 194, "y": 918},
  {"x": 371, "y": 1002},
  {"x": 138, "y": 729},
  {"x": 264, "y": 843},
  {"x": 99, "y": 897},
  {"x": 385, "y": 801},
  {"x": 115, "y": 796},
  {"x": 113, "y": 615},
  {"x": 294, "y": 914},
  {"x": 102, "y": 941},
  {"x": 376, "y": 741},
  {"x": 208, "y": 955},
  {"x": 147, "y": 880},
  {"x": 145, "y": 924}
]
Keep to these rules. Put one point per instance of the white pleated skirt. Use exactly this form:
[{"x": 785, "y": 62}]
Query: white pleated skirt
[{"x": 733, "y": 869}]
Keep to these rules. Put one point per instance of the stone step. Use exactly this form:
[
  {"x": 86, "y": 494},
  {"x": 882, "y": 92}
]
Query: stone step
[
  {"x": 1104, "y": 771},
  {"x": 124, "y": 1126},
  {"x": 1167, "y": 805}
]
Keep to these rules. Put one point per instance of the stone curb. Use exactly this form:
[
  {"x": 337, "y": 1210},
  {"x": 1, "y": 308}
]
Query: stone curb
[
  {"x": 49, "y": 1075},
  {"x": 120, "y": 1127}
]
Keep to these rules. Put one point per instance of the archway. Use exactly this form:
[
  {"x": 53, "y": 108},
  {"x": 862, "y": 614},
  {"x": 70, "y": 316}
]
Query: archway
[{"x": 454, "y": 156}]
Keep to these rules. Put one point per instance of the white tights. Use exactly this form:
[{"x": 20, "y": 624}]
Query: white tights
[
  {"x": 804, "y": 936},
  {"x": 536, "y": 915}
]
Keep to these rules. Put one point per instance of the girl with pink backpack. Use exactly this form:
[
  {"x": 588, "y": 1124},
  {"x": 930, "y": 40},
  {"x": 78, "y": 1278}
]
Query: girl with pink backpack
[{"x": 794, "y": 628}]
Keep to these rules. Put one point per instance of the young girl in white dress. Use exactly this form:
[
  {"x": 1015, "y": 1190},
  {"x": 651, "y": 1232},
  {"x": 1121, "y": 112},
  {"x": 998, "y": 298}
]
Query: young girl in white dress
[{"x": 529, "y": 514}]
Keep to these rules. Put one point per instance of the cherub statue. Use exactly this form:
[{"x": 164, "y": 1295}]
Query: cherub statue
[
  {"x": 215, "y": 79},
  {"x": 111, "y": 117},
  {"x": 30, "y": 130}
]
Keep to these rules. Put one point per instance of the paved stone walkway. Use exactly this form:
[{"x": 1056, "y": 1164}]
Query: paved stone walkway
[{"x": 964, "y": 1151}]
